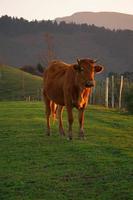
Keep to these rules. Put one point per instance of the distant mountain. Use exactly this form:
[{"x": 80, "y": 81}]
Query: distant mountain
[{"x": 111, "y": 20}]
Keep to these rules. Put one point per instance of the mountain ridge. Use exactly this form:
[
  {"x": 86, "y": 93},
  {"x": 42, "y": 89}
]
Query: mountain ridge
[{"x": 111, "y": 20}]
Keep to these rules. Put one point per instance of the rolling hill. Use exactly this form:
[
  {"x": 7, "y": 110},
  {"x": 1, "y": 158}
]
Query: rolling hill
[
  {"x": 18, "y": 85},
  {"x": 111, "y": 20}
]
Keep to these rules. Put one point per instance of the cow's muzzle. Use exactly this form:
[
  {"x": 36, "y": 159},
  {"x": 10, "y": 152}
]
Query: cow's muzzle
[{"x": 90, "y": 84}]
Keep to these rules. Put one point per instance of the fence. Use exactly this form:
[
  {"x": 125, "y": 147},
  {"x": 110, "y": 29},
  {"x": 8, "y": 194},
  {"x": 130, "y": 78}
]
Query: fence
[{"x": 111, "y": 92}]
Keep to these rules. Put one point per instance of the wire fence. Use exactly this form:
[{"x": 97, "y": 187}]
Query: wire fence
[{"x": 111, "y": 92}]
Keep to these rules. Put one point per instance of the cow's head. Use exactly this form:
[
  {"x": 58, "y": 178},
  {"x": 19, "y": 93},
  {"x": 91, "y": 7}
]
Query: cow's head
[{"x": 86, "y": 69}]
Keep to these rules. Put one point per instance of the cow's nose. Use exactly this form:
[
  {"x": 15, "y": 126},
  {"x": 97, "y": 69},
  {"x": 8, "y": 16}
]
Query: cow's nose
[{"x": 90, "y": 84}]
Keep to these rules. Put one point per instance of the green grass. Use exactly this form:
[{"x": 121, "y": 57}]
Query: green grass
[
  {"x": 34, "y": 166},
  {"x": 16, "y": 84}
]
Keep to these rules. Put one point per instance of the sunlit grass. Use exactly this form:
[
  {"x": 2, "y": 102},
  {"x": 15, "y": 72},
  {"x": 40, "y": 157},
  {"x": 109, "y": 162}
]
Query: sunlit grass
[{"x": 34, "y": 166}]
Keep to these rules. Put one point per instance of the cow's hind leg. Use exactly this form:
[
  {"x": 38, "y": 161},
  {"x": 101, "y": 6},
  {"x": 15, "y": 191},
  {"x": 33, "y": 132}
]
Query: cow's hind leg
[
  {"x": 81, "y": 123},
  {"x": 70, "y": 121},
  {"x": 53, "y": 107},
  {"x": 48, "y": 112},
  {"x": 61, "y": 130}
]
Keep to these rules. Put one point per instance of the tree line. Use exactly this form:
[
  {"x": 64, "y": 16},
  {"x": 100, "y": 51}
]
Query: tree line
[
  {"x": 22, "y": 43},
  {"x": 17, "y": 26}
]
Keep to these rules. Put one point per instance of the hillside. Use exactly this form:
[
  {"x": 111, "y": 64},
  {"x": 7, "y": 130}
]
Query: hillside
[
  {"x": 111, "y": 20},
  {"x": 34, "y": 166},
  {"x": 23, "y": 43},
  {"x": 18, "y": 85}
]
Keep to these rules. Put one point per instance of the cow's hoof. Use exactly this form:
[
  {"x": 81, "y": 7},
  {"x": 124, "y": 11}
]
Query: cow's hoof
[
  {"x": 69, "y": 138},
  {"x": 62, "y": 133},
  {"x": 48, "y": 133},
  {"x": 82, "y": 137}
]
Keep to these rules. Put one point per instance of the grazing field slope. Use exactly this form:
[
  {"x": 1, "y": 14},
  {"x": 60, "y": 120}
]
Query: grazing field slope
[
  {"x": 34, "y": 166},
  {"x": 16, "y": 84}
]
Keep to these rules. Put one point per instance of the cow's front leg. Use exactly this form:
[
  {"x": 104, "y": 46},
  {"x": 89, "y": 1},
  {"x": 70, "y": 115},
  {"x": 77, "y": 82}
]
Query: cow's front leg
[
  {"x": 48, "y": 112},
  {"x": 70, "y": 121},
  {"x": 81, "y": 123},
  {"x": 60, "y": 110}
]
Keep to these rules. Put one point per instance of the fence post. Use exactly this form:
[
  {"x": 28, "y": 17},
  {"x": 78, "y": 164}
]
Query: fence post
[
  {"x": 29, "y": 98},
  {"x": 112, "y": 95},
  {"x": 23, "y": 85},
  {"x": 121, "y": 87},
  {"x": 42, "y": 94},
  {"x": 106, "y": 92}
]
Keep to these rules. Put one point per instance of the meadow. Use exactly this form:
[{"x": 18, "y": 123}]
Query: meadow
[
  {"x": 34, "y": 166},
  {"x": 16, "y": 84}
]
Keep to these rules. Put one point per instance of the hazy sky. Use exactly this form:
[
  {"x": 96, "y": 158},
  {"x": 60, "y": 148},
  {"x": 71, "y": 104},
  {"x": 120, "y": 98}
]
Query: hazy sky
[{"x": 50, "y": 9}]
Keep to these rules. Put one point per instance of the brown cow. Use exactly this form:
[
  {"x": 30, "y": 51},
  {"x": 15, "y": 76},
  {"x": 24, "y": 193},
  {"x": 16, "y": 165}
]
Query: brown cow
[{"x": 69, "y": 85}]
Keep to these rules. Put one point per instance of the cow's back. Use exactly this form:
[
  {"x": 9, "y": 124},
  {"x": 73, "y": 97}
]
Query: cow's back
[
  {"x": 57, "y": 69},
  {"x": 54, "y": 77}
]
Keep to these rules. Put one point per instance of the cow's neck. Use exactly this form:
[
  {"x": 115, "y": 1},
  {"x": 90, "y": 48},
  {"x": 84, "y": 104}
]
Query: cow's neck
[{"x": 80, "y": 97}]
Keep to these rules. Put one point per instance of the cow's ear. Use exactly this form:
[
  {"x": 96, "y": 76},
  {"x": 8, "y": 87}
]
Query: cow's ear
[
  {"x": 78, "y": 61},
  {"x": 99, "y": 68}
]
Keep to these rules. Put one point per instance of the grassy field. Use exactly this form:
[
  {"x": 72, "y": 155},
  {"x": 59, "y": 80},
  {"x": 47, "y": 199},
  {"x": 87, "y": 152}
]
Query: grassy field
[
  {"x": 34, "y": 166},
  {"x": 16, "y": 84}
]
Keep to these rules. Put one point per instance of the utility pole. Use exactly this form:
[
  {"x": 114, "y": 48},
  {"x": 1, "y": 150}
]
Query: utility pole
[{"x": 49, "y": 54}]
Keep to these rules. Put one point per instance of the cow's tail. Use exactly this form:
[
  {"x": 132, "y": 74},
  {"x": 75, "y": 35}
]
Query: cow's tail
[{"x": 53, "y": 110}]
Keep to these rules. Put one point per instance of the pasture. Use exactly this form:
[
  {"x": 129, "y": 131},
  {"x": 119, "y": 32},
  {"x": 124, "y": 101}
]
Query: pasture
[
  {"x": 34, "y": 166},
  {"x": 17, "y": 85}
]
